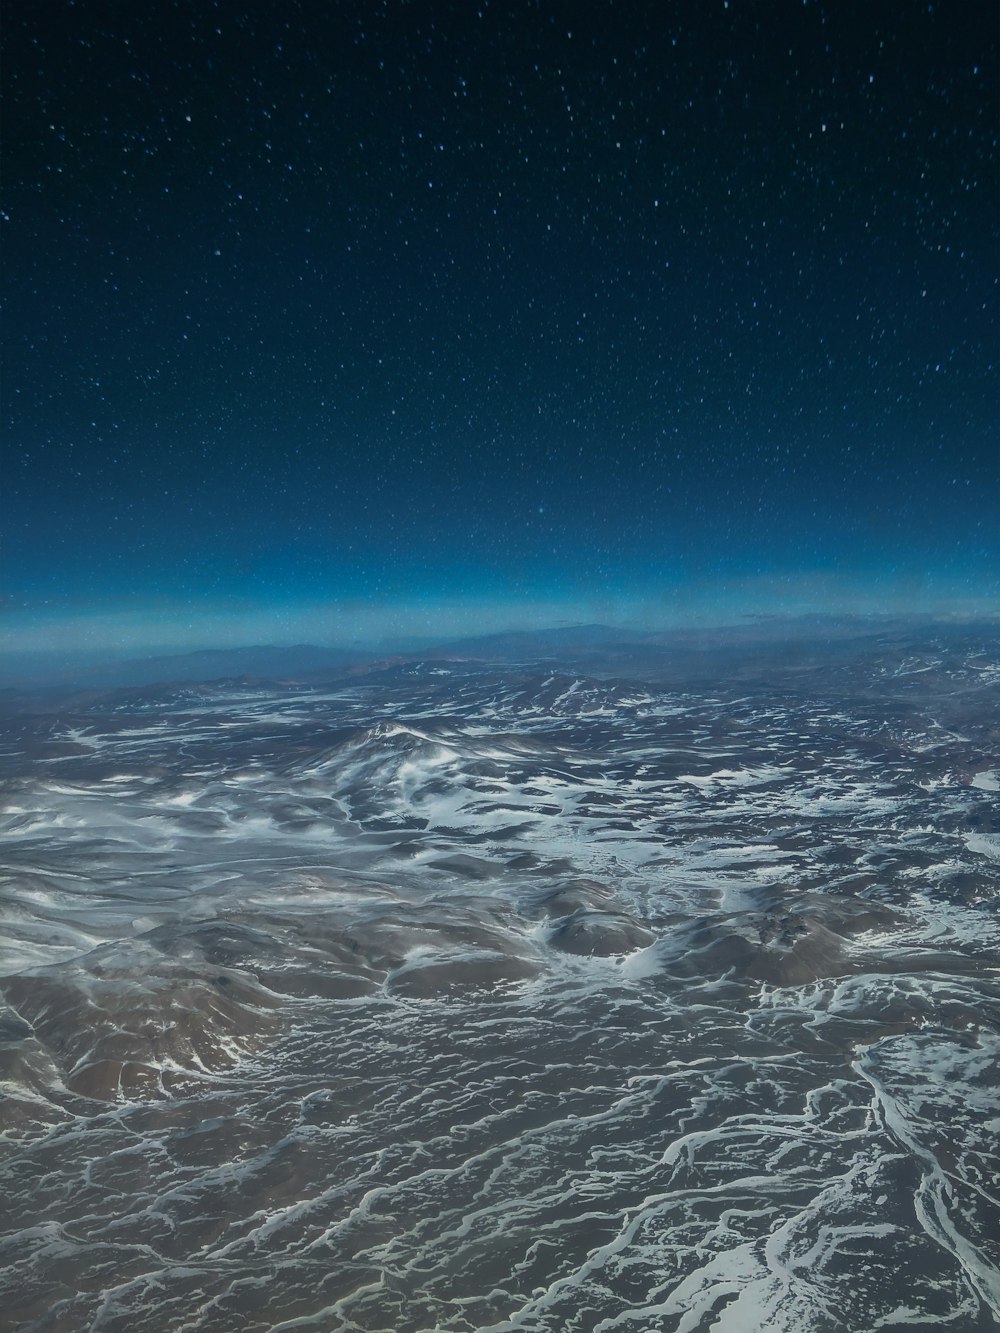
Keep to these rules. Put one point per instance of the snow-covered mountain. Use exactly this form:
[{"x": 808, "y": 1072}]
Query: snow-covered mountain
[{"x": 473, "y": 995}]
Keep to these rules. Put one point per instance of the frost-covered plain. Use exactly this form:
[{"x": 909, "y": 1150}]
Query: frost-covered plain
[{"x": 460, "y": 998}]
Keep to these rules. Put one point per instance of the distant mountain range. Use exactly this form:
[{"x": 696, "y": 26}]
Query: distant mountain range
[{"x": 594, "y": 647}]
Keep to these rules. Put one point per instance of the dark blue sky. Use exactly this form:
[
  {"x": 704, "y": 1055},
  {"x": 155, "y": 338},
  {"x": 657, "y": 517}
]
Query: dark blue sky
[{"x": 371, "y": 317}]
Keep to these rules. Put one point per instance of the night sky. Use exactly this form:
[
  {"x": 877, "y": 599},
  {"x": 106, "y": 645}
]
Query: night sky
[{"x": 349, "y": 320}]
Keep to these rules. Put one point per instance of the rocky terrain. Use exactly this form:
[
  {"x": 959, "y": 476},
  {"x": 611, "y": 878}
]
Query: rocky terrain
[{"x": 586, "y": 989}]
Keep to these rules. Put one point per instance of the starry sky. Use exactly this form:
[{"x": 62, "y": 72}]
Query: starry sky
[{"x": 350, "y": 320}]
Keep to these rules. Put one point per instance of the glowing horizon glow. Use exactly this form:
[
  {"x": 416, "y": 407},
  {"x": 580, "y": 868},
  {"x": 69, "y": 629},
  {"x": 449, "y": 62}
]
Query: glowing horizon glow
[{"x": 172, "y": 626}]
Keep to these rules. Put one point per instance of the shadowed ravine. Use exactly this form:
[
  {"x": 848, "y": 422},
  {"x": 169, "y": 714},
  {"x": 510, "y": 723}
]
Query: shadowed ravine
[{"x": 461, "y": 998}]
